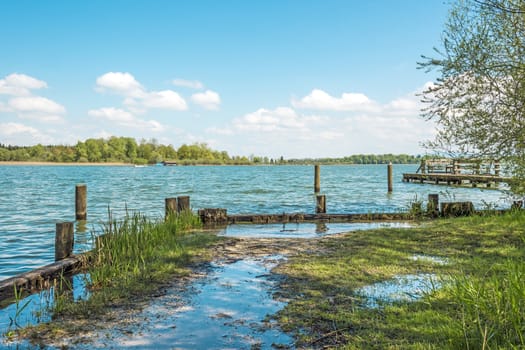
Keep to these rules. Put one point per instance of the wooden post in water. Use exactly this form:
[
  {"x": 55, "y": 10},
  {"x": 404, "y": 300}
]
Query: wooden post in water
[
  {"x": 433, "y": 204},
  {"x": 389, "y": 173},
  {"x": 64, "y": 240},
  {"x": 171, "y": 206},
  {"x": 317, "y": 179},
  {"x": 320, "y": 207},
  {"x": 183, "y": 204},
  {"x": 81, "y": 202}
]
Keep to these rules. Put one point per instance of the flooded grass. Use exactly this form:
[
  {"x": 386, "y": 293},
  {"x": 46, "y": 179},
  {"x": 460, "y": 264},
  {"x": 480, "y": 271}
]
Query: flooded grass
[
  {"x": 359, "y": 292},
  {"x": 132, "y": 260},
  {"x": 226, "y": 309}
]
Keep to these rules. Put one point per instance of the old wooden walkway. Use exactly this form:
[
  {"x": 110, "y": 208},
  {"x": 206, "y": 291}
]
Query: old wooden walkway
[
  {"x": 455, "y": 179},
  {"x": 470, "y": 172}
]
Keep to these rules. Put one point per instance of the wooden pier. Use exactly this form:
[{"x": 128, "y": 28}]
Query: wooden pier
[
  {"x": 455, "y": 179},
  {"x": 457, "y": 172}
]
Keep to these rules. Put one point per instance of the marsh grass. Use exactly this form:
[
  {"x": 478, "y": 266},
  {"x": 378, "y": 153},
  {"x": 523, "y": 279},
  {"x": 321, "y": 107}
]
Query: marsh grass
[
  {"x": 481, "y": 305},
  {"x": 134, "y": 257}
]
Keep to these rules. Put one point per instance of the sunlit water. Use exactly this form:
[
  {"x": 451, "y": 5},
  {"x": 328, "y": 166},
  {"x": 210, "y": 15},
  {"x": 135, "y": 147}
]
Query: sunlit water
[{"x": 34, "y": 198}]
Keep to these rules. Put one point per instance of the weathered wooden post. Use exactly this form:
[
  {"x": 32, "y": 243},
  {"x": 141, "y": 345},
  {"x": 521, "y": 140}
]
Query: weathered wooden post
[
  {"x": 171, "y": 206},
  {"x": 433, "y": 204},
  {"x": 183, "y": 204},
  {"x": 64, "y": 240},
  {"x": 423, "y": 166},
  {"x": 320, "y": 207},
  {"x": 317, "y": 179},
  {"x": 389, "y": 172},
  {"x": 496, "y": 168},
  {"x": 81, "y": 202}
]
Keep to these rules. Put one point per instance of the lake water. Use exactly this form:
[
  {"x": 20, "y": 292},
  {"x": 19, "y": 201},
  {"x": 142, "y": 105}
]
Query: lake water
[{"x": 34, "y": 198}]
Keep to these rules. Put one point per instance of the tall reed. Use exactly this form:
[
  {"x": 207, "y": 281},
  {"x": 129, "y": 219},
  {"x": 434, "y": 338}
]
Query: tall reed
[{"x": 136, "y": 247}]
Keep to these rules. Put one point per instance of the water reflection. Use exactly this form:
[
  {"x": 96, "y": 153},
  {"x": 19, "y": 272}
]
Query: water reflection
[
  {"x": 36, "y": 308},
  {"x": 303, "y": 230}
]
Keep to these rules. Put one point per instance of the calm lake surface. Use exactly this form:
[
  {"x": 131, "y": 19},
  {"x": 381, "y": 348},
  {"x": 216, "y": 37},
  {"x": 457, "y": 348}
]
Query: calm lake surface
[{"x": 34, "y": 198}]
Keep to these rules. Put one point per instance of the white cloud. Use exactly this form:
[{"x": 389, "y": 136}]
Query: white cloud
[
  {"x": 166, "y": 99},
  {"x": 112, "y": 114},
  {"x": 20, "y": 85},
  {"x": 36, "y": 104},
  {"x": 136, "y": 98},
  {"x": 192, "y": 84},
  {"x": 121, "y": 84},
  {"x": 320, "y": 100},
  {"x": 265, "y": 120},
  {"x": 20, "y": 134},
  {"x": 208, "y": 100},
  {"x": 126, "y": 119},
  {"x": 26, "y": 105}
]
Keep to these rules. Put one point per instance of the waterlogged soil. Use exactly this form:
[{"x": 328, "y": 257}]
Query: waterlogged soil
[{"x": 227, "y": 301}]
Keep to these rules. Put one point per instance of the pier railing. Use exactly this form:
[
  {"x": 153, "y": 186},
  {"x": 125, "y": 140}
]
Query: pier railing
[{"x": 488, "y": 167}]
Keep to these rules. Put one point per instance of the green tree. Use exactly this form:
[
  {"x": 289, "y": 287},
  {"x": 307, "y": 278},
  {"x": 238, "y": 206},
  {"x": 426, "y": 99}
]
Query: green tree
[{"x": 478, "y": 103}]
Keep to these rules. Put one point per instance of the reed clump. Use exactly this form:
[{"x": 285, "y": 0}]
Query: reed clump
[{"x": 136, "y": 255}]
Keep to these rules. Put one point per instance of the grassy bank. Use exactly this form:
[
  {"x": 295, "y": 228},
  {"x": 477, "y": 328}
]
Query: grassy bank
[{"x": 481, "y": 304}]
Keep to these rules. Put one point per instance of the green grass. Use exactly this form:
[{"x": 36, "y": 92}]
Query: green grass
[{"x": 482, "y": 305}]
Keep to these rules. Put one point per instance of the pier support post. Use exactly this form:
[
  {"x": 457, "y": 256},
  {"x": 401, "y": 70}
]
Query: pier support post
[
  {"x": 64, "y": 240},
  {"x": 433, "y": 205},
  {"x": 320, "y": 207},
  {"x": 81, "y": 202},
  {"x": 317, "y": 178},
  {"x": 171, "y": 206},
  {"x": 390, "y": 176},
  {"x": 183, "y": 204}
]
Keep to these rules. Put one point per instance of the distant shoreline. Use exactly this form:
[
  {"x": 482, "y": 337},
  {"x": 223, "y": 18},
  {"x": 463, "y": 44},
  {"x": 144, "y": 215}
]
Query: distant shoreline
[{"x": 4, "y": 163}]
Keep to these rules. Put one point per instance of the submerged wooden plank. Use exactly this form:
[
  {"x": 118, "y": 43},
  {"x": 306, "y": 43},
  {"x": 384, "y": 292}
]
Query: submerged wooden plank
[
  {"x": 39, "y": 278},
  {"x": 301, "y": 217}
]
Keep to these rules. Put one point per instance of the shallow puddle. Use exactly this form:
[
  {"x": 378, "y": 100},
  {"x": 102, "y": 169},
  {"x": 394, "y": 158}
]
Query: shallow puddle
[
  {"x": 304, "y": 230},
  {"x": 226, "y": 309},
  {"x": 399, "y": 289}
]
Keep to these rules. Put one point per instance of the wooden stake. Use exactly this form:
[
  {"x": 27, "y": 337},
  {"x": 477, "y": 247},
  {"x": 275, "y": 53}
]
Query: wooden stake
[
  {"x": 320, "y": 207},
  {"x": 317, "y": 179},
  {"x": 389, "y": 173},
  {"x": 183, "y": 204},
  {"x": 64, "y": 240},
  {"x": 171, "y": 206},
  {"x": 433, "y": 204},
  {"x": 81, "y": 202}
]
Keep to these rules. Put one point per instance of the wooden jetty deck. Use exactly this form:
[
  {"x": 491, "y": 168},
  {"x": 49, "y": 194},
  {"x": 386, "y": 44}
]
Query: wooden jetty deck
[
  {"x": 471, "y": 172},
  {"x": 455, "y": 179}
]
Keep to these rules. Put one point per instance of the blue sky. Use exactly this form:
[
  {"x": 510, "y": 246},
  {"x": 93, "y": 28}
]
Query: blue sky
[{"x": 301, "y": 78}]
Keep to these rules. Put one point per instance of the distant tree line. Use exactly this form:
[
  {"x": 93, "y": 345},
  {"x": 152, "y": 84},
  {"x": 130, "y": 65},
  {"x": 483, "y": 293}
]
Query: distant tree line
[
  {"x": 362, "y": 159},
  {"x": 128, "y": 150}
]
